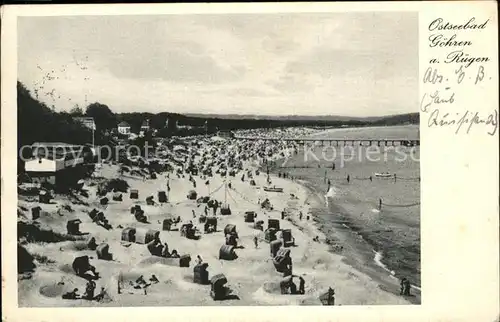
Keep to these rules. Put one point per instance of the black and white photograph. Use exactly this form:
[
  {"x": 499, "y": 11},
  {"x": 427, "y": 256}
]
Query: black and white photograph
[{"x": 218, "y": 159}]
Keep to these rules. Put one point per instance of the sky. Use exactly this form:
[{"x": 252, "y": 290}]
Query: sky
[{"x": 346, "y": 64}]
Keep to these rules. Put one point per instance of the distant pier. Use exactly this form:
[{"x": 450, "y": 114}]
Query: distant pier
[{"x": 338, "y": 141}]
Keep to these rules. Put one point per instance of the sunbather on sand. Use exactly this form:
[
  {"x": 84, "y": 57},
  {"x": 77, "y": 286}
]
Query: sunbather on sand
[{"x": 73, "y": 295}]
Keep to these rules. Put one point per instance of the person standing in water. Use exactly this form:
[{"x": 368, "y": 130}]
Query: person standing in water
[
  {"x": 302, "y": 285},
  {"x": 405, "y": 287},
  {"x": 331, "y": 296},
  {"x": 401, "y": 286}
]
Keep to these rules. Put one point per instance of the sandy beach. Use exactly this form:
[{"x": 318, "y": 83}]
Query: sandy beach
[{"x": 251, "y": 277}]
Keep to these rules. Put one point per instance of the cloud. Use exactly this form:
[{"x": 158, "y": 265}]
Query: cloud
[
  {"x": 278, "y": 46},
  {"x": 174, "y": 65},
  {"x": 291, "y": 83},
  {"x": 248, "y": 92},
  {"x": 311, "y": 64},
  {"x": 328, "y": 62}
]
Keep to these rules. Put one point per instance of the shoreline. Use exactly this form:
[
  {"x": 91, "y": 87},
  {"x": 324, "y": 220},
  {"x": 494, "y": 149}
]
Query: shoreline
[
  {"x": 361, "y": 254},
  {"x": 378, "y": 271}
]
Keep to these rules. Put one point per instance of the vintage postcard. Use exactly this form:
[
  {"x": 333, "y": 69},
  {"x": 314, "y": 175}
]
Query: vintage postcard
[{"x": 339, "y": 160}]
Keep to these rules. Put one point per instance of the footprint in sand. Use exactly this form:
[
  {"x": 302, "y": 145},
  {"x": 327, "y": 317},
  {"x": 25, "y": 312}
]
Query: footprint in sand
[
  {"x": 55, "y": 290},
  {"x": 270, "y": 293}
]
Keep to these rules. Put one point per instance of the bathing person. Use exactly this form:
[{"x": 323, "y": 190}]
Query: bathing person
[
  {"x": 99, "y": 297},
  {"x": 405, "y": 287},
  {"x": 302, "y": 285},
  {"x": 140, "y": 280},
  {"x": 199, "y": 261},
  {"x": 331, "y": 296},
  {"x": 164, "y": 252},
  {"x": 89, "y": 290}
]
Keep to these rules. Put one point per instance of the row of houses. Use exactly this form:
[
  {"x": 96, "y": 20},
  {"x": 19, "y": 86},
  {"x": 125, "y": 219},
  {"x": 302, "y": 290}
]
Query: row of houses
[
  {"x": 124, "y": 128},
  {"x": 64, "y": 164}
]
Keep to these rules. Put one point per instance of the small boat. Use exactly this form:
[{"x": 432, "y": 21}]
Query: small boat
[
  {"x": 273, "y": 189},
  {"x": 383, "y": 175}
]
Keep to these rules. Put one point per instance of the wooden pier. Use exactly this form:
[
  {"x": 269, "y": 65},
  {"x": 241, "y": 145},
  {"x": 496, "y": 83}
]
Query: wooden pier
[{"x": 338, "y": 141}]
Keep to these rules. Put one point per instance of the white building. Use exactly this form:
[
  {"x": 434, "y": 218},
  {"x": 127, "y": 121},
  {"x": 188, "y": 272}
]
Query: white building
[
  {"x": 144, "y": 128},
  {"x": 57, "y": 162},
  {"x": 124, "y": 128}
]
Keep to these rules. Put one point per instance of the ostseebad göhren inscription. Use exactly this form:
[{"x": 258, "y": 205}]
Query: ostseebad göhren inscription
[
  {"x": 221, "y": 159},
  {"x": 467, "y": 69}
]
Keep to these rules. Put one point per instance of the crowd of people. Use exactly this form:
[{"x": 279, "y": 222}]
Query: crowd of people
[{"x": 205, "y": 157}]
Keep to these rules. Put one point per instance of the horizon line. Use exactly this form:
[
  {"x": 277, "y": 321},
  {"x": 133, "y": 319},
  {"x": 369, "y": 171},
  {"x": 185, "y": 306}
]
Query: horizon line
[{"x": 194, "y": 114}]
